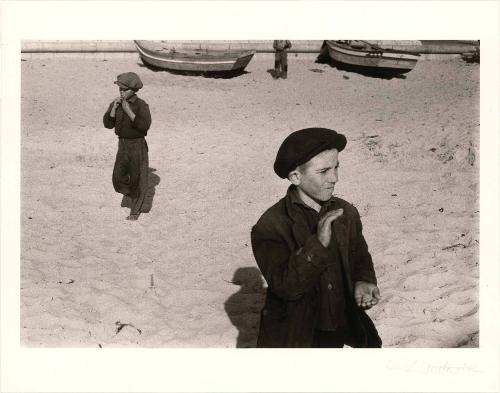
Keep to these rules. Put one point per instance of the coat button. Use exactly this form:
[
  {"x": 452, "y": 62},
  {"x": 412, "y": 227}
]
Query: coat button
[{"x": 330, "y": 286}]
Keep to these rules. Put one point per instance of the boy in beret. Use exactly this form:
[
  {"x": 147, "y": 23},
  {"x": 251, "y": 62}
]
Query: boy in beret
[
  {"x": 280, "y": 58},
  {"x": 130, "y": 117},
  {"x": 310, "y": 249}
]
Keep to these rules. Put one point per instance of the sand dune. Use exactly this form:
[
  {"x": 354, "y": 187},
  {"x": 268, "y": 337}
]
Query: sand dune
[{"x": 184, "y": 274}]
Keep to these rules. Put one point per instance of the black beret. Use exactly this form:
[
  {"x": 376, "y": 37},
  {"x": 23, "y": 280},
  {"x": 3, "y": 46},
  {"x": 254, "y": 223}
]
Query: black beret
[
  {"x": 129, "y": 80},
  {"x": 300, "y": 146}
]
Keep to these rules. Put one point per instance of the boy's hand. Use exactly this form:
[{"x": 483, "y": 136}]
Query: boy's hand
[
  {"x": 126, "y": 108},
  {"x": 366, "y": 294},
  {"x": 117, "y": 101},
  {"x": 325, "y": 226}
]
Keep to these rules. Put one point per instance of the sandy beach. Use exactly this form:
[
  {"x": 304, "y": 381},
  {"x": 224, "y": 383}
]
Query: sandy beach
[{"x": 184, "y": 275}]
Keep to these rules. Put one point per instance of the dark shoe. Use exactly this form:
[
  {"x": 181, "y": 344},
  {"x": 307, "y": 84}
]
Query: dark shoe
[{"x": 133, "y": 217}]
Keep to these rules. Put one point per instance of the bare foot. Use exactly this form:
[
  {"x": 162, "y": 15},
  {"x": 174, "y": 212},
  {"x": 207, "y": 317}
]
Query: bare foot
[{"x": 133, "y": 217}]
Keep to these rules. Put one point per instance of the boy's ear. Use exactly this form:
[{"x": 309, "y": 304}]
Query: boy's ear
[{"x": 294, "y": 177}]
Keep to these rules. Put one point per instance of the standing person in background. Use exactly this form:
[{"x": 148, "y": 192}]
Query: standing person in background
[
  {"x": 280, "y": 58},
  {"x": 130, "y": 117}
]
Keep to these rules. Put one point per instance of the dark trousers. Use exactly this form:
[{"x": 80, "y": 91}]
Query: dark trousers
[
  {"x": 331, "y": 339},
  {"x": 130, "y": 173},
  {"x": 280, "y": 60}
]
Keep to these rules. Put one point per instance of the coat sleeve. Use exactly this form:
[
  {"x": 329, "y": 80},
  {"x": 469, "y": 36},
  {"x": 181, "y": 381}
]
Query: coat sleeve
[
  {"x": 360, "y": 258},
  {"x": 142, "y": 120},
  {"x": 288, "y": 45},
  {"x": 108, "y": 121},
  {"x": 289, "y": 274}
]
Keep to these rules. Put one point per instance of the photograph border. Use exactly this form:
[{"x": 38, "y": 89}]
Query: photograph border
[{"x": 235, "y": 370}]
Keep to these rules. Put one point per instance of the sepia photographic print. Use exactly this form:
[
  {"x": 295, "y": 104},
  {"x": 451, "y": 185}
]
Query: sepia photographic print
[
  {"x": 231, "y": 194},
  {"x": 183, "y": 274}
]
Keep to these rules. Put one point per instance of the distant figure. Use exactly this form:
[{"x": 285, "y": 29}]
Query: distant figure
[
  {"x": 280, "y": 58},
  {"x": 310, "y": 248},
  {"x": 130, "y": 117}
]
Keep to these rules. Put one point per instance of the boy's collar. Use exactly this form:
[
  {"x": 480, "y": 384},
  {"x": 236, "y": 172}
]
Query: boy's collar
[{"x": 132, "y": 98}]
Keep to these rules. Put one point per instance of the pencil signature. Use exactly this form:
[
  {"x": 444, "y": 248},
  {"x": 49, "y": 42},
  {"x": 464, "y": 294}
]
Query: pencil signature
[{"x": 424, "y": 367}]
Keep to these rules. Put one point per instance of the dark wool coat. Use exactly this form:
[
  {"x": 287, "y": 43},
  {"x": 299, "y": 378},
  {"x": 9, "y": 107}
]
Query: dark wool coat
[{"x": 292, "y": 260}]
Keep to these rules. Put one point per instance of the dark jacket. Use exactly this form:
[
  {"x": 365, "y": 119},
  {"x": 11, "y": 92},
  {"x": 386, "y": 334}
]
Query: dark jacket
[
  {"x": 292, "y": 261},
  {"x": 123, "y": 125}
]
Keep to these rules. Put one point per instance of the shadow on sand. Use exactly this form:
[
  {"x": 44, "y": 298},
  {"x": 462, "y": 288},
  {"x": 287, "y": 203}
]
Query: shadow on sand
[
  {"x": 243, "y": 308},
  {"x": 369, "y": 72},
  {"x": 153, "y": 181},
  {"x": 273, "y": 73},
  {"x": 204, "y": 74}
]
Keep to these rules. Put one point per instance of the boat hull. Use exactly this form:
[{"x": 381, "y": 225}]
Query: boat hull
[
  {"x": 380, "y": 60},
  {"x": 196, "y": 61}
]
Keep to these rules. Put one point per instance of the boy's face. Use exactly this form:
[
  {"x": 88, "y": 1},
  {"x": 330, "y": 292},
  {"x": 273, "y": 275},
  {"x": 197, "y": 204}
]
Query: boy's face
[
  {"x": 125, "y": 93},
  {"x": 317, "y": 177}
]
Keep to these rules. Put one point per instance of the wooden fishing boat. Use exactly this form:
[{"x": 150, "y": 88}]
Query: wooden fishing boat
[
  {"x": 195, "y": 60},
  {"x": 363, "y": 56}
]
